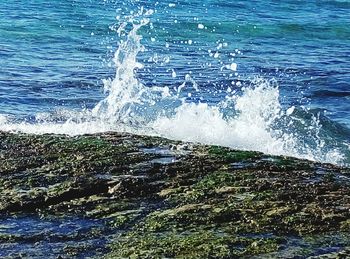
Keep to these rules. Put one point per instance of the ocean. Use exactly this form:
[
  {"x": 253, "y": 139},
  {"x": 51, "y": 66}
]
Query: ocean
[{"x": 272, "y": 76}]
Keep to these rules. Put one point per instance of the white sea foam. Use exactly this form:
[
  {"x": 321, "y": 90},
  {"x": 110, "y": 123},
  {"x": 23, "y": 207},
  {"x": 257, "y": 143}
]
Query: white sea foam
[
  {"x": 257, "y": 110},
  {"x": 3, "y": 119},
  {"x": 251, "y": 120}
]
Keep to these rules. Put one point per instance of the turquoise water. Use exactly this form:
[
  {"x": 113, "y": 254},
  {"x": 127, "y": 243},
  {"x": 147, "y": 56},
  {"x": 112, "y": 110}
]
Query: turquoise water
[{"x": 271, "y": 75}]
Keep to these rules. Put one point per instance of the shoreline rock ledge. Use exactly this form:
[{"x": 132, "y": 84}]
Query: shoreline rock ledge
[{"x": 118, "y": 195}]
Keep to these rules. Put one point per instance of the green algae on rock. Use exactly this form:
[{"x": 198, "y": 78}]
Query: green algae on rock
[{"x": 122, "y": 195}]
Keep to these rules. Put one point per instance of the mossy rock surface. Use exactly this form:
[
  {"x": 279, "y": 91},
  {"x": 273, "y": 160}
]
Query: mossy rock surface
[{"x": 119, "y": 195}]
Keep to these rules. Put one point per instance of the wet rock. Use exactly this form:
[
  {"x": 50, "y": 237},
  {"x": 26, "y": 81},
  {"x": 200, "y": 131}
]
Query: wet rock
[{"x": 122, "y": 195}]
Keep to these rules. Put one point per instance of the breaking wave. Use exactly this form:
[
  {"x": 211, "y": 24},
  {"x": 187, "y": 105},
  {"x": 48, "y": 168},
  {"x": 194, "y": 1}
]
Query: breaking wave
[{"x": 248, "y": 117}]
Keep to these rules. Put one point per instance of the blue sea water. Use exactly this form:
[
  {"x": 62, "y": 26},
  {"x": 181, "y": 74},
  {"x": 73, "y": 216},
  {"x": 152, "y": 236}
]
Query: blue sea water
[{"x": 268, "y": 75}]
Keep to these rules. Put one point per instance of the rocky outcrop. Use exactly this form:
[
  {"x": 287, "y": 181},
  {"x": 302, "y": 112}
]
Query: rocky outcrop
[{"x": 121, "y": 195}]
